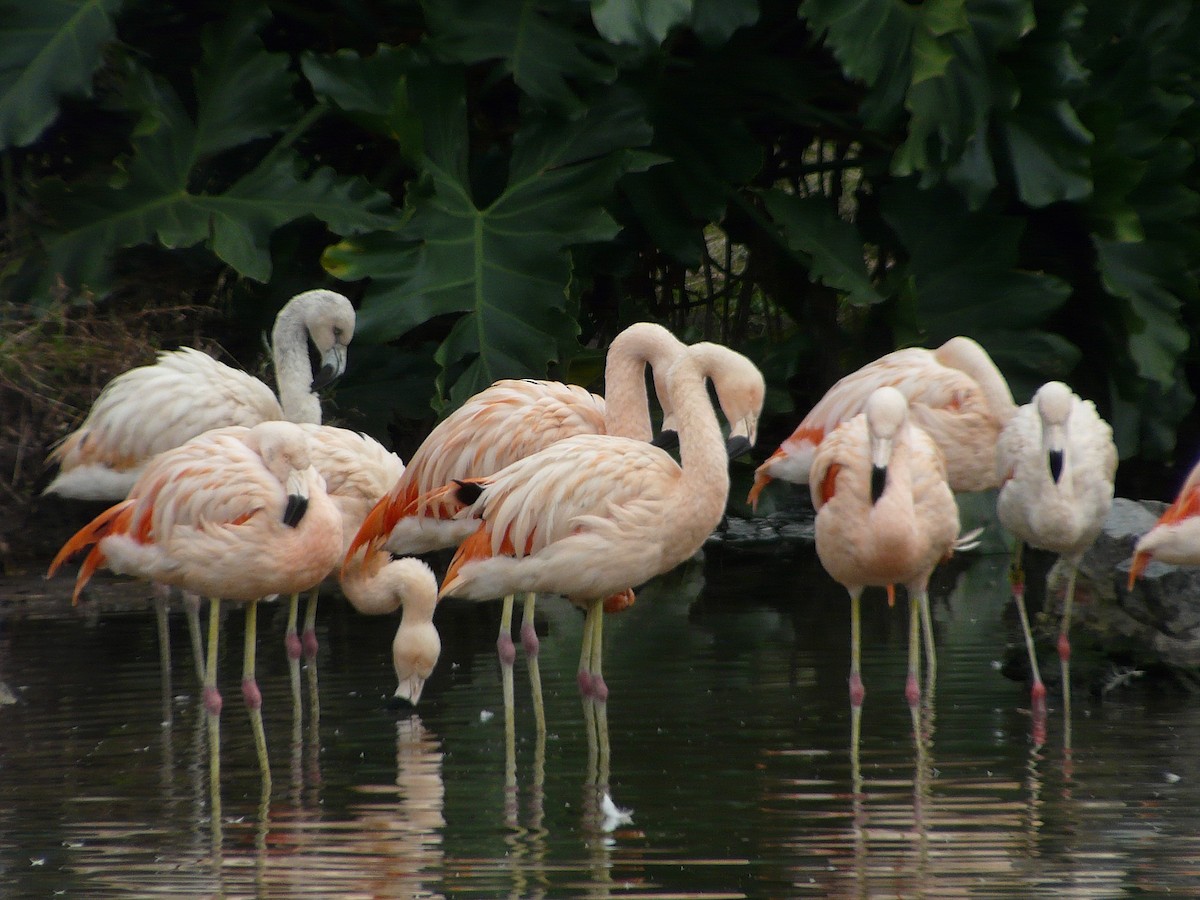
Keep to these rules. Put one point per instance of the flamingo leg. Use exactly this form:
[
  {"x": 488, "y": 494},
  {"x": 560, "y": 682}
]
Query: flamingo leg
[
  {"x": 912, "y": 686},
  {"x": 250, "y": 692},
  {"x": 164, "y": 627},
  {"x": 1017, "y": 578},
  {"x": 585, "y": 652},
  {"x": 212, "y": 697},
  {"x": 505, "y": 648},
  {"x": 529, "y": 640},
  {"x": 927, "y": 629},
  {"x": 291, "y": 640},
  {"x": 599, "y": 687},
  {"x": 857, "y": 692},
  {"x": 191, "y": 606},
  {"x": 1064, "y": 655},
  {"x": 309, "y": 638}
]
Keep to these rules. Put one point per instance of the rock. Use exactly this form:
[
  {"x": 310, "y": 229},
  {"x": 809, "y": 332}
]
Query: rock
[{"x": 1158, "y": 621}]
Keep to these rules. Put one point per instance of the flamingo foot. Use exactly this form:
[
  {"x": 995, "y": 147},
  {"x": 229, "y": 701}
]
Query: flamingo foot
[
  {"x": 291, "y": 641},
  {"x": 912, "y": 690},
  {"x": 212, "y": 700},
  {"x": 529, "y": 639},
  {"x": 599, "y": 688},
  {"x": 1064, "y": 647},
  {"x": 506, "y": 650},
  {"x": 251, "y": 694},
  {"x": 857, "y": 691},
  {"x": 584, "y": 679},
  {"x": 310, "y": 643},
  {"x": 1037, "y": 712}
]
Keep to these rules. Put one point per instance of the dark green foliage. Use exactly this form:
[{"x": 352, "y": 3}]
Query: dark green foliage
[{"x": 500, "y": 183}]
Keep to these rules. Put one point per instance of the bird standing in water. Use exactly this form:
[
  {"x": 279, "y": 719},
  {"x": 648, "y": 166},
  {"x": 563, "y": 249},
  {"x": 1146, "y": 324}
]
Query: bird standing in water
[
  {"x": 237, "y": 514},
  {"x": 1056, "y": 461},
  {"x": 885, "y": 515}
]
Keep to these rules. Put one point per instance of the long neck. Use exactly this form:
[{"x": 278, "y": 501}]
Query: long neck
[
  {"x": 293, "y": 371},
  {"x": 626, "y": 404},
  {"x": 969, "y": 357},
  {"x": 702, "y": 453}
]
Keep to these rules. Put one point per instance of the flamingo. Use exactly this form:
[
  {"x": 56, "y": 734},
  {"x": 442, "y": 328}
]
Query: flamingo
[
  {"x": 592, "y": 516},
  {"x": 513, "y": 419},
  {"x": 885, "y": 515},
  {"x": 955, "y": 393},
  {"x": 190, "y": 393},
  {"x": 1175, "y": 538},
  {"x": 1056, "y": 461},
  {"x": 236, "y": 513},
  {"x": 375, "y": 586}
]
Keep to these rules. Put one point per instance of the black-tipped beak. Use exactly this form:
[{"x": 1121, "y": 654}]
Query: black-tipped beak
[
  {"x": 667, "y": 440},
  {"x": 325, "y": 377},
  {"x": 878, "y": 482},
  {"x": 1056, "y": 464},
  {"x": 297, "y": 506},
  {"x": 737, "y": 446}
]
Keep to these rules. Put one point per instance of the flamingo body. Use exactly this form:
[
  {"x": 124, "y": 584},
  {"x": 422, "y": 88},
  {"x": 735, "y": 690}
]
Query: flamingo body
[
  {"x": 1061, "y": 512},
  {"x": 955, "y": 393},
  {"x": 212, "y": 517},
  {"x": 153, "y": 408},
  {"x": 900, "y": 537}
]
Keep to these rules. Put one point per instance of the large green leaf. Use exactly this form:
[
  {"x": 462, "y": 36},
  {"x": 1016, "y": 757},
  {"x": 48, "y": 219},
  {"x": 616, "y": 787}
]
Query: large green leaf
[
  {"x": 372, "y": 90},
  {"x": 154, "y": 196},
  {"x": 963, "y": 266},
  {"x": 502, "y": 267},
  {"x": 1145, "y": 275},
  {"x": 833, "y": 246},
  {"x": 538, "y": 42},
  {"x": 48, "y": 49},
  {"x": 643, "y": 23}
]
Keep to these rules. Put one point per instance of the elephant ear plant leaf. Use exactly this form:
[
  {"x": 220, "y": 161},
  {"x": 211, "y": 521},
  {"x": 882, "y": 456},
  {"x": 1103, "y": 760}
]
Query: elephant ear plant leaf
[
  {"x": 48, "y": 50},
  {"x": 502, "y": 264},
  {"x": 167, "y": 191}
]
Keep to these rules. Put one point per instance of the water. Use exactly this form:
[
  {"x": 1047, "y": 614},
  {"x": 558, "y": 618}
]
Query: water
[{"x": 728, "y": 729}]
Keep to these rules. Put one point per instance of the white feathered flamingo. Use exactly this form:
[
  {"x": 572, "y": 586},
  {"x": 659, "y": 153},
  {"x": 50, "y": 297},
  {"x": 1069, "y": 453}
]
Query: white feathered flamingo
[
  {"x": 955, "y": 393},
  {"x": 153, "y": 408},
  {"x": 236, "y": 514},
  {"x": 1056, "y": 462}
]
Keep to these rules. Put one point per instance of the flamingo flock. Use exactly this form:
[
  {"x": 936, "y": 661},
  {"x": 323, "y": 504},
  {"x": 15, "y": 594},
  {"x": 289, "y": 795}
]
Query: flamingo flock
[{"x": 544, "y": 487}]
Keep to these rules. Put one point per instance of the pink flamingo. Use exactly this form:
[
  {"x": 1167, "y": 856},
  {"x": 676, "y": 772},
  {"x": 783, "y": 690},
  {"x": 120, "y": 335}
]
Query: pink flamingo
[
  {"x": 236, "y": 513},
  {"x": 955, "y": 393},
  {"x": 376, "y": 586},
  {"x": 885, "y": 515}
]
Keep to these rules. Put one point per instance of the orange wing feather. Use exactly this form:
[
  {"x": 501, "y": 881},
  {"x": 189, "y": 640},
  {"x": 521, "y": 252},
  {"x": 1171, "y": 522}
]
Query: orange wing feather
[{"x": 829, "y": 482}]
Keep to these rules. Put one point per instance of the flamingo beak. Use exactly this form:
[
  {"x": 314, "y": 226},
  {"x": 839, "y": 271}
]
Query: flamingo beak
[
  {"x": 333, "y": 364},
  {"x": 1141, "y": 559}
]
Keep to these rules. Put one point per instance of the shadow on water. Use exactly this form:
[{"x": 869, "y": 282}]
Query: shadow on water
[{"x": 729, "y": 773}]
